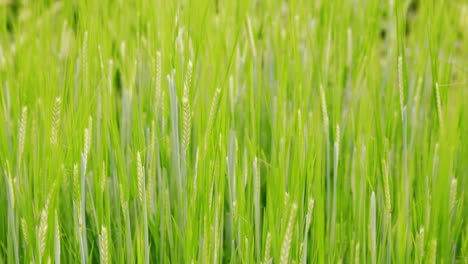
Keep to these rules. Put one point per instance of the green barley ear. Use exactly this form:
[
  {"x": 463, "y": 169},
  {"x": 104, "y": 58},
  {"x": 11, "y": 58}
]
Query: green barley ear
[
  {"x": 186, "y": 112},
  {"x": 55, "y": 121},
  {"x": 151, "y": 192},
  {"x": 56, "y": 238},
  {"x": 142, "y": 195},
  {"x": 310, "y": 208},
  {"x": 432, "y": 257},
  {"x": 213, "y": 109},
  {"x": 22, "y": 132},
  {"x": 453, "y": 195},
  {"x": 388, "y": 206},
  {"x": 42, "y": 230},
  {"x": 420, "y": 241},
  {"x": 104, "y": 246},
  {"x": 76, "y": 185},
  {"x": 141, "y": 178},
  {"x": 349, "y": 59},
  {"x": 439, "y": 107},
  {"x": 267, "y": 256},
  {"x": 24, "y": 229},
  {"x": 122, "y": 198},
  {"x": 158, "y": 94},
  {"x": 87, "y": 144},
  {"x": 401, "y": 84},
  {"x": 301, "y": 251},
  {"x": 324, "y": 108},
  {"x": 335, "y": 180},
  {"x": 356, "y": 254},
  {"x": 286, "y": 246}
]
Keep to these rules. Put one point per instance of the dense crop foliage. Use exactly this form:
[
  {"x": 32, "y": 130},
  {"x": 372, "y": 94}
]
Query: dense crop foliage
[{"x": 249, "y": 131}]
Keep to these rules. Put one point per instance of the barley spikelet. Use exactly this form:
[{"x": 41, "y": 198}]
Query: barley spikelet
[
  {"x": 439, "y": 107},
  {"x": 388, "y": 206},
  {"x": 42, "y": 231},
  {"x": 350, "y": 47},
  {"x": 22, "y": 130},
  {"x": 186, "y": 112},
  {"x": 213, "y": 108},
  {"x": 421, "y": 245},
  {"x": 301, "y": 250},
  {"x": 141, "y": 178},
  {"x": 103, "y": 246},
  {"x": 24, "y": 229},
  {"x": 56, "y": 238},
  {"x": 356, "y": 254},
  {"x": 123, "y": 200},
  {"x": 87, "y": 144},
  {"x": 151, "y": 192},
  {"x": 401, "y": 83},
  {"x": 55, "y": 121},
  {"x": 284, "y": 258},
  {"x": 432, "y": 257},
  {"x": 122, "y": 49},
  {"x": 158, "y": 99},
  {"x": 310, "y": 208},
  {"x": 267, "y": 249},
  {"x": 324, "y": 108},
  {"x": 76, "y": 185},
  {"x": 453, "y": 195},
  {"x": 286, "y": 199},
  {"x": 337, "y": 142},
  {"x": 104, "y": 177}
]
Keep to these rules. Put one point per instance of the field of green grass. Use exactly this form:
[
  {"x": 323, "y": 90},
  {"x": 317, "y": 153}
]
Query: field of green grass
[{"x": 246, "y": 131}]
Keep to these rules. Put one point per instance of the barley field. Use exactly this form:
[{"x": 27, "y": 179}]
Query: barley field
[{"x": 247, "y": 131}]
